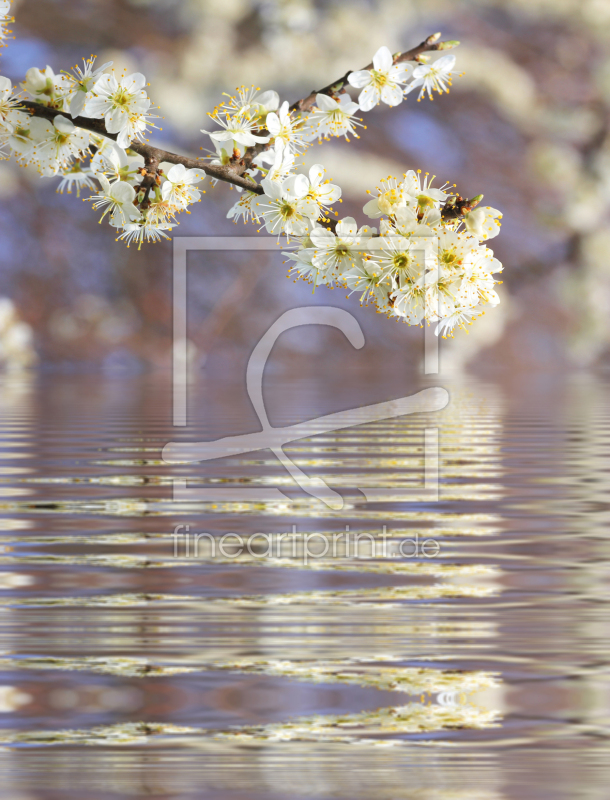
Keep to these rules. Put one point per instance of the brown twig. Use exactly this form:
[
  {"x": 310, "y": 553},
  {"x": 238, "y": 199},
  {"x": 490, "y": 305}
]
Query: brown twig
[
  {"x": 234, "y": 171},
  {"x": 431, "y": 43},
  {"x": 153, "y": 156},
  {"x": 338, "y": 87}
]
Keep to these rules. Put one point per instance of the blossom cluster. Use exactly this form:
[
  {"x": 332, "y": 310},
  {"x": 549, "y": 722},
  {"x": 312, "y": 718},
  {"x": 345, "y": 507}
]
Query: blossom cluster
[
  {"x": 417, "y": 266},
  {"x": 257, "y": 139}
]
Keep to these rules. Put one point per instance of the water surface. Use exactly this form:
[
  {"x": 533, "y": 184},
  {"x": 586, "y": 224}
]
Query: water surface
[{"x": 129, "y": 670}]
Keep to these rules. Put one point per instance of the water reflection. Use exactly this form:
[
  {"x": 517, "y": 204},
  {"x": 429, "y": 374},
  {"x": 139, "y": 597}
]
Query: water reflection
[{"x": 346, "y": 673}]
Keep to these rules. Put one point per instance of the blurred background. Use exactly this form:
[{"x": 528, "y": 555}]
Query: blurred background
[{"x": 527, "y": 125}]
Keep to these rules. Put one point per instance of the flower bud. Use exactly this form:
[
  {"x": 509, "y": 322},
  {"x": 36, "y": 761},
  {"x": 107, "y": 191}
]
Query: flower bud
[{"x": 35, "y": 80}]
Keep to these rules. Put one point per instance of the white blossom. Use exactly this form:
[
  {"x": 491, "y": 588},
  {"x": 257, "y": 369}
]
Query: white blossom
[
  {"x": 45, "y": 87},
  {"x": 392, "y": 195},
  {"x": 282, "y": 163},
  {"x": 410, "y": 300},
  {"x": 454, "y": 248},
  {"x": 179, "y": 188},
  {"x": 365, "y": 279},
  {"x": 253, "y": 102},
  {"x": 383, "y": 83},
  {"x": 26, "y": 134},
  {"x": 433, "y": 77},
  {"x": 398, "y": 258},
  {"x": 477, "y": 282},
  {"x": 8, "y": 104},
  {"x": 342, "y": 250},
  {"x": 80, "y": 83},
  {"x": 246, "y": 208},
  {"x": 460, "y": 318},
  {"x": 118, "y": 199},
  {"x": 314, "y": 187},
  {"x": 332, "y": 117},
  {"x": 287, "y": 130},
  {"x": 122, "y": 104},
  {"x": 292, "y": 214},
  {"x": 441, "y": 289},
  {"x": 303, "y": 266},
  {"x": 483, "y": 222},
  {"x": 8, "y": 100},
  {"x": 420, "y": 189},
  {"x": 412, "y": 221},
  {"x": 113, "y": 162},
  {"x": 75, "y": 177},
  {"x": 238, "y": 130},
  {"x": 143, "y": 230},
  {"x": 63, "y": 141}
]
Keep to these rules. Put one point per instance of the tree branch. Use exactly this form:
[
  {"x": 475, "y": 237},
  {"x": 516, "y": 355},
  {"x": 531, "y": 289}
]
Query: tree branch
[
  {"x": 338, "y": 87},
  {"x": 153, "y": 156},
  {"x": 431, "y": 43},
  {"x": 234, "y": 171}
]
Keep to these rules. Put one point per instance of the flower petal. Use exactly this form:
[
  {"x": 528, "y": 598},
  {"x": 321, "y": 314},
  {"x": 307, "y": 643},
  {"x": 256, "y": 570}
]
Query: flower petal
[
  {"x": 326, "y": 103},
  {"x": 176, "y": 173},
  {"x": 391, "y": 94},
  {"x": 382, "y": 60},
  {"x": 368, "y": 98},
  {"x": 360, "y": 78}
]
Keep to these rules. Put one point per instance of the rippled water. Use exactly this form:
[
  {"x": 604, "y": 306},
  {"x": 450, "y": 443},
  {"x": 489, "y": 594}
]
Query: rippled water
[{"x": 129, "y": 670}]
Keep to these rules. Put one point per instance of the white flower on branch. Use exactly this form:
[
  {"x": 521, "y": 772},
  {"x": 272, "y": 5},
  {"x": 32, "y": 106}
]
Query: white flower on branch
[
  {"x": 392, "y": 195},
  {"x": 383, "y": 83},
  {"x": 253, "y": 103},
  {"x": 245, "y": 208},
  {"x": 45, "y": 87},
  {"x": 460, "y": 318},
  {"x": 282, "y": 162},
  {"x": 365, "y": 278},
  {"x": 75, "y": 177},
  {"x": 26, "y": 134},
  {"x": 483, "y": 222},
  {"x": 179, "y": 188},
  {"x": 410, "y": 300},
  {"x": 112, "y": 161},
  {"x": 332, "y": 117},
  {"x": 304, "y": 268},
  {"x": 286, "y": 130},
  {"x": 435, "y": 77},
  {"x": 412, "y": 221},
  {"x": 454, "y": 248},
  {"x": 315, "y": 188},
  {"x": 118, "y": 200},
  {"x": 122, "y": 104},
  {"x": 441, "y": 289},
  {"x": 477, "y": 283},
  {"x": 421, "y": 190},
  {"x": 79, "y": 84},
  {"x": 144, "y": 231},
  {"x": 238, "y": 129},
  {"x": 290, "y": 214},
  {"x": 8, "y": 100},
  {"x": 398, "y": 258},
  {"x": 340, "y": 251},
  {"x": 62, "y": 142}
]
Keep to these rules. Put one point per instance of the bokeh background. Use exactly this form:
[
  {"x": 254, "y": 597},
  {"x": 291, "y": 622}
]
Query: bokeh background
[{"x": 527, "y": 125}]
